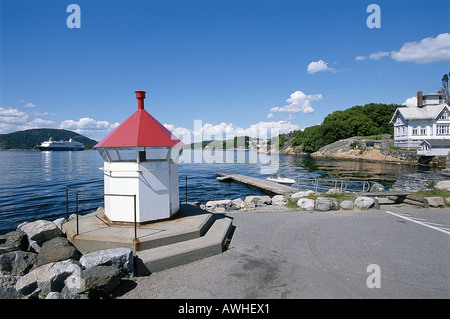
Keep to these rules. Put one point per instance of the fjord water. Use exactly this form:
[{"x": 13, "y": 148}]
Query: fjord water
[{"x": 33, "y": 184}]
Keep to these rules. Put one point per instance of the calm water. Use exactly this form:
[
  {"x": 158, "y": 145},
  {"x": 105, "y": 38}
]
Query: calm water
[{"x": 32, "y": 184}]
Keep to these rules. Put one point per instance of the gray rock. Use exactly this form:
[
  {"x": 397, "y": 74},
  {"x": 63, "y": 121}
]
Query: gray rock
[
  {"x": 377, "y": 187},
  {"x": 17, "y": 263},
  {"x": 15, "y": 240},
  {"x": 49, "y": 277},
  {"x": 57, "y": 249},
  {"x": 334, "y": 204},
  {"x": 435, "y": 201},
  {"x": 223, "y": 203},
  {"x": 238, "y": 203},
  {"x": 9, "y": 293},
  {"x": 97, "y": 280},
  {"x": 258, "y": 200},
  {"x": 364, "y": 202},
  {"x": 445, "y": 185},
  {"x": 121, "y": 258},
  {"x": 39, "y": 232},
  {"x": 279, "y": 200},
  {"x": 299, "y": 195},
  {"x": 59, "y": 222},
  {"x": 306, "y": 204},
  {"x": 323, "y": 204},
  {"x": 347, "y": 204},
  {"x": 60, "y": 295}
]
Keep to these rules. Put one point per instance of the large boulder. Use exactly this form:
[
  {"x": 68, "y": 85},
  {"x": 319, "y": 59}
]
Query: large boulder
[
  {"x": 306, "y": 204},
  {"x": 377, "y": 187},
  {"x": 38, "y": 232},
  {"x": 15, "y": 240},
  {"x": 444, "y": 185},
  {"x": 57, "y": 249},
  {"x": 258, "y": 200},
  {"x": 322, "y": 204},
  {"x": 325, "y": 204},
  {"x": 347, "y": 204},
  {"x": 299, "y": 195},
  {"x": 97, "y": 280},
  {"x": 364, "y": 202},
  {"x": 60, "y": 295},
  {"x": 435, "y": 201},
  {"x": 17, "y": 263},
  {"x": 279, "y": 200},
  {"x": 49, "y": 277},
  {"x": 121, "y": 258}
]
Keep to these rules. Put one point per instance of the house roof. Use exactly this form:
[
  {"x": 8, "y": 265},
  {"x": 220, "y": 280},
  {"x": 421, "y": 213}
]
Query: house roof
[
  {"x": 437, "y": 143},
  {"x": 140, "y": 129},
  {"x": 428, "y": 112}
]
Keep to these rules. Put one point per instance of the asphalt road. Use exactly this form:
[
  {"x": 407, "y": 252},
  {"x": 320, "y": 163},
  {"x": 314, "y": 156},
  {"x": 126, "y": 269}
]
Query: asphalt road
[{"x": 400, "y": 253}]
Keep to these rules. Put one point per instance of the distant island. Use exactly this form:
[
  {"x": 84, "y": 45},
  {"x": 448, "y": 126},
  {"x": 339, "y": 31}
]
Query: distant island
[{"x": 30, "y": 139}]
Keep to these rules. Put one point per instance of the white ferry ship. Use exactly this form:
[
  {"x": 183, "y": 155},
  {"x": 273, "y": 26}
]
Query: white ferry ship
[{"x": 69, "y": 145}]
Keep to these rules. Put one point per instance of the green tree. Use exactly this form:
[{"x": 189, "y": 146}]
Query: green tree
[{"x": 445, "y": 87}]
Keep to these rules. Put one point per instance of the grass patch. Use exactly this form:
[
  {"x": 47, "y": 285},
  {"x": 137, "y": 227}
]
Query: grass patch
[
  {"x": 432, "y": 193},
  {"x": 340, "y": 196}
]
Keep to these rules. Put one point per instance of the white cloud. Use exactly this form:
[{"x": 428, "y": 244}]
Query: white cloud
[
  {"x": 411, "y": 102},
  {"x": 319, "y": 66},
  {"x": 12, "y": 116},
  {"x": 378, "y": 55},
  {"x": 298, "y": 102},
  {"x": 89, "y": 127},
  {"x": 30, "y": 105},
  {"x": 427, "y": 50}
]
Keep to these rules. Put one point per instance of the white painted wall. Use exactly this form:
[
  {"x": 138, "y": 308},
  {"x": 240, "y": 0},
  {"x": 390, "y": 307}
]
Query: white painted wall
[{"x": 154, "y": 182}]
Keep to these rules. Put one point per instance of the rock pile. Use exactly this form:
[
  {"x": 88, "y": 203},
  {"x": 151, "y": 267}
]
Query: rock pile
[
  {"x": 38, "y": 261},
  {"x": 319, "y": 204}
]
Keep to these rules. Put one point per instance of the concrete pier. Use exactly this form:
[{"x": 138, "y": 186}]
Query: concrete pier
[{"x": 264, "y": 185}]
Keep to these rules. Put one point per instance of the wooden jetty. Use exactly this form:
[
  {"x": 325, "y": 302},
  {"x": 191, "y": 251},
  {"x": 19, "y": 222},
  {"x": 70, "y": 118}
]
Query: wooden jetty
[{"x": 264, "y": 185}]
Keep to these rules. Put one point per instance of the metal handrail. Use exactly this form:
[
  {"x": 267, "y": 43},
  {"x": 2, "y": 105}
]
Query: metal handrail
[
  {"x": 325, "y": 184},
  {"x": 77, "y": 211},
  {"x": 97, "y": 194}
]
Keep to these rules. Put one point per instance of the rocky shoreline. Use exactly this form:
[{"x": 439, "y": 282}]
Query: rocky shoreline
[{"x": 37, "y": 261}]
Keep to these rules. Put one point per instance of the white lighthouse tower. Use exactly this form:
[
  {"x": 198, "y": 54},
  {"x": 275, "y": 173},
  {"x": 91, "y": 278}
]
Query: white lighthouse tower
[{"x": 140, "y": 158}]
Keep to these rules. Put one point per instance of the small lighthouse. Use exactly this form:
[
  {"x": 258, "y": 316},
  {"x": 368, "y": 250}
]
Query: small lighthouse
[{"x": 140, "y": 158}]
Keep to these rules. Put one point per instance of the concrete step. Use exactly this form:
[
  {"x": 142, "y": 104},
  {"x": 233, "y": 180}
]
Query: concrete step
[
  {"x": 164, "y": 257},
  {"x": 97, "y": 233}
]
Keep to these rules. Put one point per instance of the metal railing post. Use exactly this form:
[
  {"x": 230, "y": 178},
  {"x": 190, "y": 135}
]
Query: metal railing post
[
  {"x": 67, "y": 202},
  {"x": 186, "y": 191},
  {"x": 135, "y": 218},
  {"x": 76, "y": 199}
]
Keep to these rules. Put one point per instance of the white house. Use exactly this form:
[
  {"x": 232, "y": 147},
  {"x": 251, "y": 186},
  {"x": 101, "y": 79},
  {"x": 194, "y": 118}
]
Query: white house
[{"x": 425, "y": 127}]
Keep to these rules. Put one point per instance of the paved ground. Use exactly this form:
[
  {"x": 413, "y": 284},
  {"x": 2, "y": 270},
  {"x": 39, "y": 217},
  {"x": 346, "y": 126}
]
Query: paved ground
[{"x": 317, "y": 255}]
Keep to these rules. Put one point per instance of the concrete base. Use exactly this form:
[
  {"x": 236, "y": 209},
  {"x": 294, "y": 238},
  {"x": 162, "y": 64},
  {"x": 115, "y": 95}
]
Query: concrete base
[{"x": 190, "y": 235}]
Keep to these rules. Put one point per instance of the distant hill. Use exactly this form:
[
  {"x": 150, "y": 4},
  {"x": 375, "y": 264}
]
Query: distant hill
[{"x": 30, "y": 139}]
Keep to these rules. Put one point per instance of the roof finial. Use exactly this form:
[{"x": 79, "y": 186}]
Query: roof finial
[{"x": 140, "y": 95}]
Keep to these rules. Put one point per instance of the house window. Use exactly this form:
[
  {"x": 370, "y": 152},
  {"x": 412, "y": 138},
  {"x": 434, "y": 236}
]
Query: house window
[
  {"x": 442, "y": 129},
  {"x": 423, "y": 131},
  {"x": 444, "y": 116},
  {"x": 415, "y": 131}
]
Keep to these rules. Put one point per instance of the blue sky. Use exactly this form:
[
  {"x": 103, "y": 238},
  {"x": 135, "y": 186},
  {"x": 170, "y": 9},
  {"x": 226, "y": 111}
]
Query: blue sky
[{"x": 233, "y": 65}]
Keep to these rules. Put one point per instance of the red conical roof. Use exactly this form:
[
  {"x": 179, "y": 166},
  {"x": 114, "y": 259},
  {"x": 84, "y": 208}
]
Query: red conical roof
[{"x": 140, "y": 129}]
